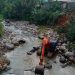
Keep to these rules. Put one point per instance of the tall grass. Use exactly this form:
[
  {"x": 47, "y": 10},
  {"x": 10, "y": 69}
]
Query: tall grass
[{"x": 1, "y": 25}]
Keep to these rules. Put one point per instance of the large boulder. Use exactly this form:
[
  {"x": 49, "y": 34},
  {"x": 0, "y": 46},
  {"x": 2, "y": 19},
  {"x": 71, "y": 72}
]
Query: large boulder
[
  {"x": 69, "y": 54},
  {"x": 72, "y": 59},
  {"x": 41, "y": 36},
  {"x": 15, "y": 42},
  {"x": 48, "y": 66},
  {"x": 62, "y": 59},
  {"x": 18, "y": 40},
  {"x": 9, "y": 46},
  {"x": 33, "y": 50}
]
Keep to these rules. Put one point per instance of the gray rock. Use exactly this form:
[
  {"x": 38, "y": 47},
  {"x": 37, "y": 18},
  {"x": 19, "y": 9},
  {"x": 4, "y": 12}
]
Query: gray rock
[
  {"x": 18, "y": 40},
  {"x": 69, "y": 54},
  {"x": 62, "y": 59},
  {"x": 40, "y": 36},
  {"x": 48, "y": 66},
  {"x": 9, "y": 46}
]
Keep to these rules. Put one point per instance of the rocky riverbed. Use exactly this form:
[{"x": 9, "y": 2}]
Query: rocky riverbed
[
  {"x": 19, "y": 38},
  {"x": 14, "y": 36}
]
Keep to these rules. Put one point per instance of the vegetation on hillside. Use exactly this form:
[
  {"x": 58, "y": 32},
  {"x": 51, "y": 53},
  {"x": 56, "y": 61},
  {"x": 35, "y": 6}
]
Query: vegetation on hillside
[
  {"x": 1, "y": 25},
  {"x": 36, "y": 11},
  {"x": 71, "y": 31},
  {"x": 31, "y": 10}
]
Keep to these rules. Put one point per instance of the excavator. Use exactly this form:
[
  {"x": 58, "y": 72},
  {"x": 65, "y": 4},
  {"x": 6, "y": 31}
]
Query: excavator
[{"x": 39, "y": 69}]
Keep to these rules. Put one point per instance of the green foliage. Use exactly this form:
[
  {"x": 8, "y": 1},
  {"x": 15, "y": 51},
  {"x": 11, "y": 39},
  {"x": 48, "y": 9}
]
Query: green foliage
[
  {"x": 39, "y": 16},
  {"x": 7, "y": 10},
  {"x": 1, "y": 29},
  {"x": 1, "y": 17},
  {"x": 1, "y": 25},
  {"x": 38, "y": 11},
  {"x": 72, "y": 46},
  {"x": 61, "y": 30},
  {"x": 18, "y": 9},
  {"x": 42, "y": 15},
  {"x": 56, "y": 6},
  {"x": 1, "y": 5},
  {"x": 71, "y": 31},
  {"x": 52, "y": 17}
]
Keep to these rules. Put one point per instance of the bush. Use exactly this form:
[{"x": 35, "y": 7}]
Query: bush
[
  {"x": 71, "y": 31},
  {"x": 43, "y": 16},
  {"x": 39, "y": 16},
  {"x": 1, "y": 29},
  {"x": 1, "y": 17},
  {"x": 61, "y": 30},
  {"x": 1, "y": 25},
  {"x": 46, "y": 15},
  {"x": 37, "y": 11},
  {"x": 72, "y": 46}
]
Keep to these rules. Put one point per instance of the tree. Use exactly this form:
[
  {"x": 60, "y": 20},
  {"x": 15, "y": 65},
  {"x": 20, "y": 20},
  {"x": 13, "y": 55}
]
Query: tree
[
  {"x": 1, "y": 5},
  {"x": 46, "y": 12},
  {"x": 39, "y": 11},
  {"x": 18, "y": 9}
]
